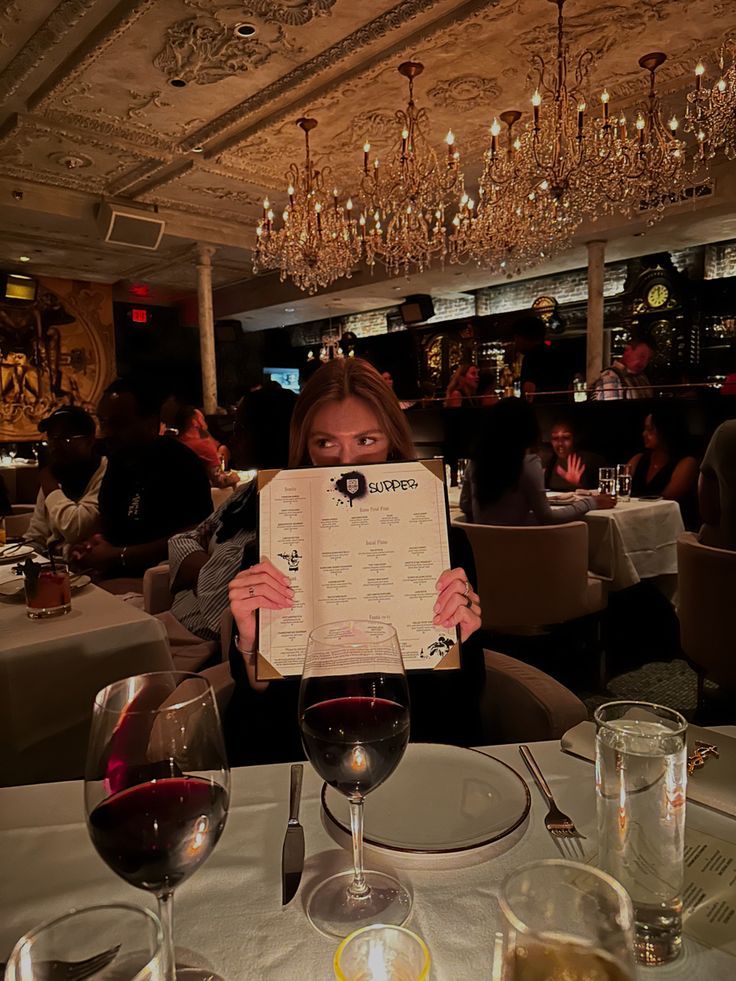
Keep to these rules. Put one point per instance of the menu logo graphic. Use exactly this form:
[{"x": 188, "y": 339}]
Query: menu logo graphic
[{"x": 351, "y": 485}]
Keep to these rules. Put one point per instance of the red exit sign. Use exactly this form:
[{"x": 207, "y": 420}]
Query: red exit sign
[{"x": 140, "y": 316}]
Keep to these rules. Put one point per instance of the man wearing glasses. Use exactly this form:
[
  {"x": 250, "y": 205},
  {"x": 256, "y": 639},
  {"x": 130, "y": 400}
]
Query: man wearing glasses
[{"x": 66, "y": 507}]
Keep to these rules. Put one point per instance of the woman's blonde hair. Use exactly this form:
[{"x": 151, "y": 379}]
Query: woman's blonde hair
[
  {"x": 458, "y": 376},
  {"x": 336, "y": 381}
]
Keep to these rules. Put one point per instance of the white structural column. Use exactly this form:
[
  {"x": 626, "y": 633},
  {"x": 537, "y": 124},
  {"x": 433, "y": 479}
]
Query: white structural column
[
  {"x": 594, "y": 360},
  {"x": 206, "y": 328}
]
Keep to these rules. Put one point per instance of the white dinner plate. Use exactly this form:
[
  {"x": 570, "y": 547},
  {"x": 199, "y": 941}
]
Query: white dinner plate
[
  {"x": 440, "y": 800},
  {"x": 9, "y": 553},
  {"x": 13, "y": 588}
]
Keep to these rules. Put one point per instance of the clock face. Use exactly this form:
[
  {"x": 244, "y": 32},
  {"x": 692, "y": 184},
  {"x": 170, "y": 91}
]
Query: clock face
[{"x": 658, "y": 295}]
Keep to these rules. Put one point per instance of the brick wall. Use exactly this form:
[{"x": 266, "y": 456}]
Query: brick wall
[
  {"x": 374, "y": 321},
  {"x": 720, "y": 260},
  {"x": 565, "y": 287}
]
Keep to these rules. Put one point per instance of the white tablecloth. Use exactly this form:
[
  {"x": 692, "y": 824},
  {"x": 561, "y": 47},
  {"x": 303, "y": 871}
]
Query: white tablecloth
[
  {"x": 230, "y": 915},
  {"x": 633, "y": 541},
  {"x": 50, "y": 671}
]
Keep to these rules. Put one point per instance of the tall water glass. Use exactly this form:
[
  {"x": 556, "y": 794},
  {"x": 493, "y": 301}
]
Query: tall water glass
[
  {"x": 564, "y": 921},
  {"x": 623, "y": 477},
  {"x": 641, "y": 780},
  {"x": 607, "y": 481}
]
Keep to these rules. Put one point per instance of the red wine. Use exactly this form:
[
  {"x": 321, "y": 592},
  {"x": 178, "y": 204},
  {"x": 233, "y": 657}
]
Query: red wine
[
  {"x": 355, "y": 743},
  {"x": 154, "y": 835}
]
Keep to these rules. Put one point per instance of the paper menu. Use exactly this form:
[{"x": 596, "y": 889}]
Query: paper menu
[
  {"x": 359, "y": 542},
  {"x": 709, "y": 896}
]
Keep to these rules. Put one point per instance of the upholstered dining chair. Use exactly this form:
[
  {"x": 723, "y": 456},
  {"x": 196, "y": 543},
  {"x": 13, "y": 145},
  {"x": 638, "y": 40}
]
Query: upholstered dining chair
[
  {"x": 534, "y": 576},
  {"x": 707, "y": 611},
  {"x": 521, "y": 704}
]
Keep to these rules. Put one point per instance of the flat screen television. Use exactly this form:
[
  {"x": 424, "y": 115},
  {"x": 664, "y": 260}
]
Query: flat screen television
[{"x": 286, "y": 377}]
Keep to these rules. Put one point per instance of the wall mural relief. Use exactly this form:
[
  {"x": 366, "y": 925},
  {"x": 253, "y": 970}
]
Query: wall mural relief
[{"x": 56, "y": 350}]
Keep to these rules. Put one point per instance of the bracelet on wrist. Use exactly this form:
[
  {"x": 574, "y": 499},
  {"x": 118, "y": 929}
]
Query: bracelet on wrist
[
  {"x": 241, "y": 650},
  {"x": 123, "y": 550}
]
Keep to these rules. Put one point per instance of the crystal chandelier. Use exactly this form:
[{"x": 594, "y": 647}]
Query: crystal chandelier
[
  {"x": 565, "y": 165},
  {"x": 711, "y": 112},
  {"x": 318, "y": 241},
  {"x": 406, "y": 195},
  {"x": 657, "y": 162}
]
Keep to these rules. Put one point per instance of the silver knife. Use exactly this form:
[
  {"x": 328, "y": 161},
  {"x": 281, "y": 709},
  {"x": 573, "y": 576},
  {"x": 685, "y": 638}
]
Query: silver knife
[{"x": 292, "y": 855}]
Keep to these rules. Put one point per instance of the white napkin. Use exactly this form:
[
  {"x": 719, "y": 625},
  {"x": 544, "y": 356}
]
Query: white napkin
[{"x": 713, "y": 785}]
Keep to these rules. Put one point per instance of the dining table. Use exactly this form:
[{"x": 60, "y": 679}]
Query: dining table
[
  {"x": 51, "y": 669},
  {"x": 635, "y": 540},
  {"x": 229, "y": 921}
]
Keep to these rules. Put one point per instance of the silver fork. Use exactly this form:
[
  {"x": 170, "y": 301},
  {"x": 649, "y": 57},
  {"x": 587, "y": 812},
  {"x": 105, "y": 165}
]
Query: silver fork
[
  {"x": 559, "y": 825},
  {"x": 72, "y": 970}
]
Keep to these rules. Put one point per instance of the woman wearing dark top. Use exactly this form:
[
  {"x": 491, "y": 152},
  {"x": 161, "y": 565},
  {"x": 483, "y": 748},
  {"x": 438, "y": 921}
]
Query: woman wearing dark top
[
  {"x": 345, "y": 416},
  {"x": 665, "y": 469},
  {"x": 504, "y": 481}
]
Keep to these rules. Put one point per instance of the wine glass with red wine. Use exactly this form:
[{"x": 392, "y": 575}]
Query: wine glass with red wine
[
  {"x": 354, "y": 719},
  {"x": 157, "y": 784}
]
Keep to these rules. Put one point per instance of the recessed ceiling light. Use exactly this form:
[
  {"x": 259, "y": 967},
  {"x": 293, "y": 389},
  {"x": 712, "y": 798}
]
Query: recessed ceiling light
[
  {"x": 397, "y": 288},
  {"x": 24, "y": 258},
  {"x": 289, "y": 309},
  {"x": 245, "y": 30},
  {"x": 177, "y": 83},
  {"x": 198, "y": 149}
]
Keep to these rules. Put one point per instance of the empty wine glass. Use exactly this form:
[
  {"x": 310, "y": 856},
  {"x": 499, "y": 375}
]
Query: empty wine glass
[
  {"x": 354, "y": 718},
  {"x": 118, "y": 942},
  {"x": 12, "y": 452},
  {"x": 157, "y": 784}
]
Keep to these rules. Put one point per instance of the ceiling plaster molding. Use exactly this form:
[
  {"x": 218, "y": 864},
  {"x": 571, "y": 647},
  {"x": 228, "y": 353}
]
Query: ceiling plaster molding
[
  {"x": 62, "y": 20},
  {"x": 100, "y": 125},
  {"x": 94, "y": 46},
  {"x": 386, "y": 23},
  {"x": 129, "y": 180},
  {"x": 464, "y": 92},
  {"x": 160, "y": 178},
  {"x": 240, "y": 220},
  {"x": 27, "y": 128}
]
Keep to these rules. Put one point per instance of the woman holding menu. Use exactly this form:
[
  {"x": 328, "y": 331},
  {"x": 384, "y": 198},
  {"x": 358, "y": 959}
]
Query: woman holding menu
[{"x": 346, "y": 415}]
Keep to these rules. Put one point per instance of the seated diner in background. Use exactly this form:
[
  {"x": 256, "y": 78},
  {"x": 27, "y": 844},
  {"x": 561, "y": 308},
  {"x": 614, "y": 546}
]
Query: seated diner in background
[
  {"x": 463, "y": 387},
  {"x": 67, "y": 510},
  {"x": 346, "y": 416},
  {"x": 153, "y": 487},
  {"x": 665, "y": 468},
  {"x": 568, "y": 467},
  {"x": 717, "y": 488},
  {"x": 504, "y": 480},
  {"x": 186, "y": 423},
  {"x": 625, "y": 379},
  {"x": 203, "y": 561}
]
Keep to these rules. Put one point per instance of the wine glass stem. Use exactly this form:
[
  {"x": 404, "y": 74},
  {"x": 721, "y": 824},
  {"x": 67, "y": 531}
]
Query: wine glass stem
[
  {"x": 358, "y": 888},
  {"x": 166, "y": 915}
]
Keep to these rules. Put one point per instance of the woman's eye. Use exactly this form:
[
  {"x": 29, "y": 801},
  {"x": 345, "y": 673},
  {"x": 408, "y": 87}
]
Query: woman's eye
[
  {"x": 366, "y": 441},
  {"x": 323, "y": 443}
]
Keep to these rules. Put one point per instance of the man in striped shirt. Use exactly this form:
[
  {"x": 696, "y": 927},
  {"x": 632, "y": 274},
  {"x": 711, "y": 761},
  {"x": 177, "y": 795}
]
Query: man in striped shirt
[{"x": 625, "y": 379}]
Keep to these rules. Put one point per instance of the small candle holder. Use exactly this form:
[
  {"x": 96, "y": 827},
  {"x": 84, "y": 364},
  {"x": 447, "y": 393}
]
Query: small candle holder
[{"x": 382, "y": 953}]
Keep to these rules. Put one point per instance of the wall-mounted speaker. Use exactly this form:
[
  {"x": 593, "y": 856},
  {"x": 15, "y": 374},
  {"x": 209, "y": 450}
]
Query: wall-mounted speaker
[
  {"x": 417, "y": 309},
  {"x": 126, "y": 226}
]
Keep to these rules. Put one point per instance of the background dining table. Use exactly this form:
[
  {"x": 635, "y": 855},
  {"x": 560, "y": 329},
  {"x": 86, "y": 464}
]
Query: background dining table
[
  {"x": 635, "y": 540},
  {"x": 229, "y": 919},
  {"x": 50, "y": 671}
]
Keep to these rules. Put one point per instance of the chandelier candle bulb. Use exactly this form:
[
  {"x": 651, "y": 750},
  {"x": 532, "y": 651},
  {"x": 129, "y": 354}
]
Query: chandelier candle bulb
[
  {"x": 536, "y": 103},
  {"x": 581, "y": 119},
  {"x": 605, "y": 99},
  {"x": 366, "y": 151},
  {"x": 699, "y": 72}
]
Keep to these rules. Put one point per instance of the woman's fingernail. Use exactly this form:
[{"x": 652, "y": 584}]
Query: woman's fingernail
[
  {"x": 436, "y": 607},
  {"x": 435, "y": 620}
]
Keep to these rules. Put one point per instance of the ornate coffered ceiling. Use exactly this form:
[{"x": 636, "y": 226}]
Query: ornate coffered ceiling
[{"x": 164, "y": 103}]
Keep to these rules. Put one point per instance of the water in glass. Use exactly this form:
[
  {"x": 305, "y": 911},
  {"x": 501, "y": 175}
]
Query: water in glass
[{"x": 641, "y": 782}]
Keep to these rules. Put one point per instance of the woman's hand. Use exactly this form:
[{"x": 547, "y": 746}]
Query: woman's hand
[
  {"x": 96, "y": 555},
  {"x": 261, "y": 587},
  {"x": 604, "y": 502},
  {"x": 457, "y": 604},
  {"x": 575, "y": 470}
]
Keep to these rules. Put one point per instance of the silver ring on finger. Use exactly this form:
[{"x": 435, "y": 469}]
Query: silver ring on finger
[
  {"x": 251, "y": 590},
  {"x": 467, "y": 588}
]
